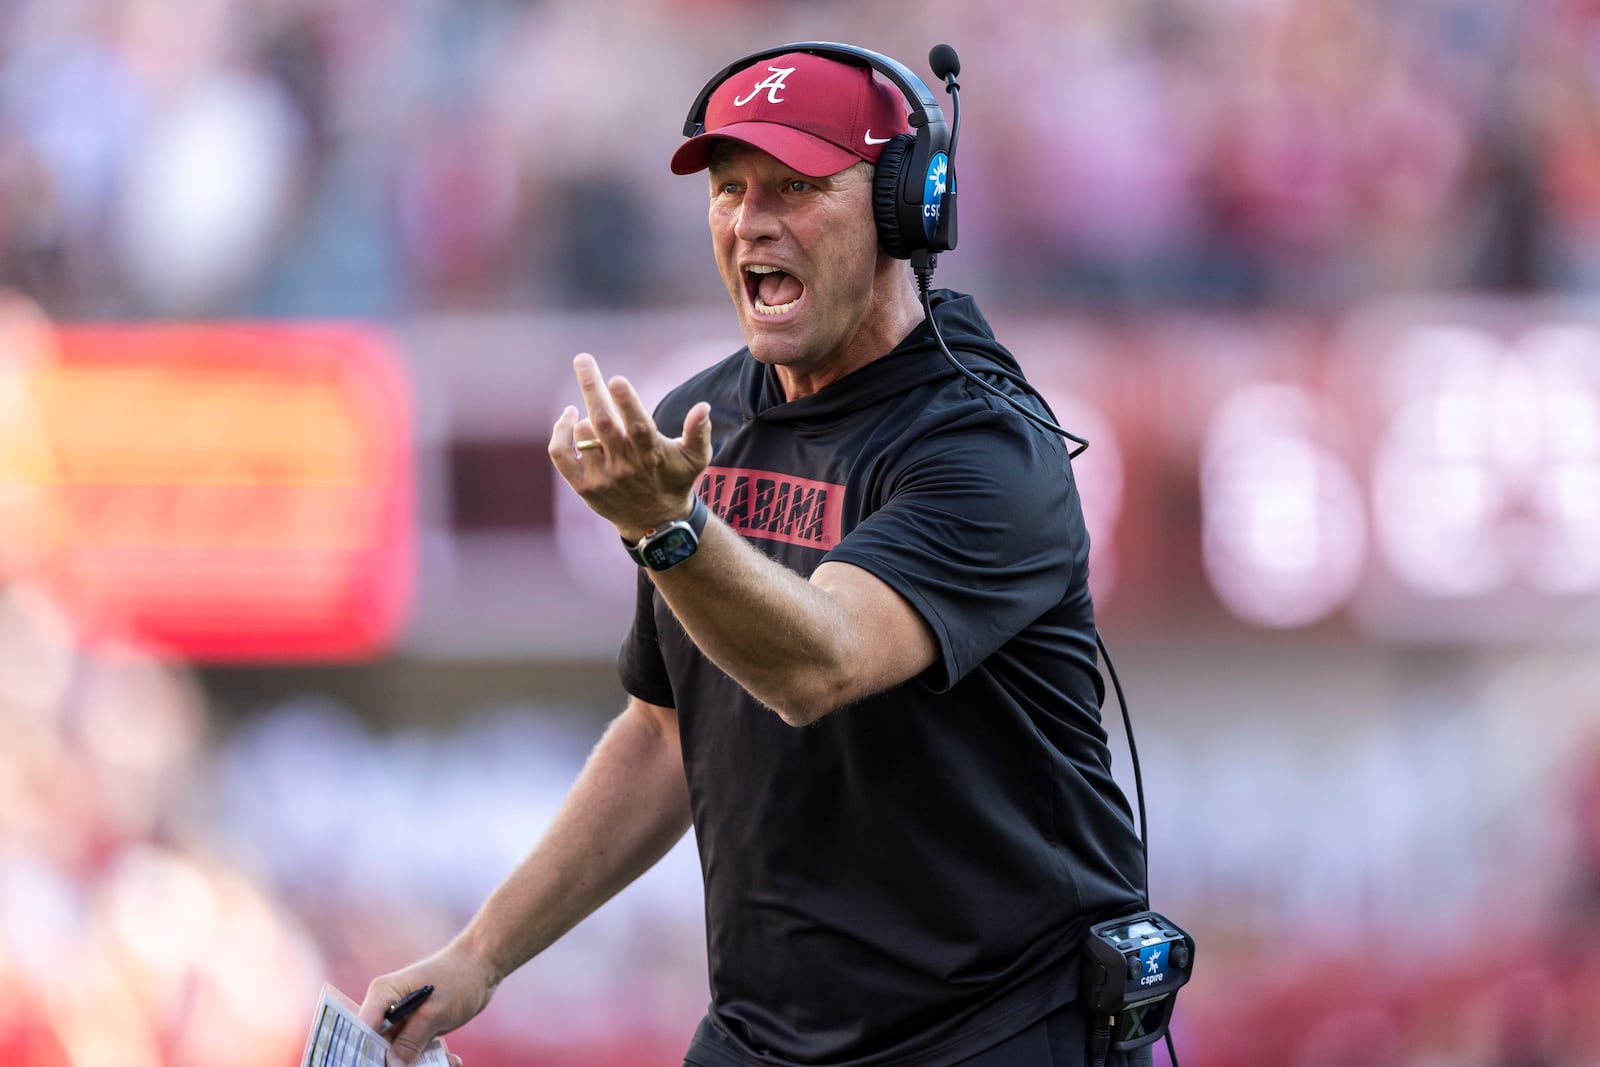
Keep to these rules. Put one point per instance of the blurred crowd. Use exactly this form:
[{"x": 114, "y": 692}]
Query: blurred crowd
[
  {"x": 172, "y": 896},
  {"x": 378, "y": 157},
  {"x": 131, "y": 930}
]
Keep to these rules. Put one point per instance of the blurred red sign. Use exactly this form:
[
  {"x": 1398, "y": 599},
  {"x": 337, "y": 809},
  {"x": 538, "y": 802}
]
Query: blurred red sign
[{"x": 228, "y": 492}]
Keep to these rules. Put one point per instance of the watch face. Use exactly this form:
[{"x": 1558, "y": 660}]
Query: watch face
[{"x": 672, "y": 547}]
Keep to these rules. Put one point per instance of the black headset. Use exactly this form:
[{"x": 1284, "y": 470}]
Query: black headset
[{"x": 914, "y": 186}]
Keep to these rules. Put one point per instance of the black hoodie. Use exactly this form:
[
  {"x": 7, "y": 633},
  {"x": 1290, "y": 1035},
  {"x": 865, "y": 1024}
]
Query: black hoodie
[{"x": 905, "y": 881}]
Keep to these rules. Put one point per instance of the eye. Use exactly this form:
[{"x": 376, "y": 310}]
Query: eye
[{"x": 798, "y": 185}]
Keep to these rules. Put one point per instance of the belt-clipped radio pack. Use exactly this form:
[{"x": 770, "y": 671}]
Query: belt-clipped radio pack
[{"x": 1133, "y": 967}]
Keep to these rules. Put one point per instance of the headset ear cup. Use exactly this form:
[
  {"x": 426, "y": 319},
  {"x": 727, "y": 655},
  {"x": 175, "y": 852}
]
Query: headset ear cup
[{"x": 897, "y": 237}]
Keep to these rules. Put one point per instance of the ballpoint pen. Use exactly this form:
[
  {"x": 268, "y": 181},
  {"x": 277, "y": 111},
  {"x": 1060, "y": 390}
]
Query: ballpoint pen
[{"x": 401, "y": 1009}]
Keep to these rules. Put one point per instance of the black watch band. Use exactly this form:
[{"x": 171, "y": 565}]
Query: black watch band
[{"x": 672, "y": 542}]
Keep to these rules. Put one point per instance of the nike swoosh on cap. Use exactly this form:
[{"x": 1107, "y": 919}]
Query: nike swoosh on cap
[{"x": 876, "y": 140}]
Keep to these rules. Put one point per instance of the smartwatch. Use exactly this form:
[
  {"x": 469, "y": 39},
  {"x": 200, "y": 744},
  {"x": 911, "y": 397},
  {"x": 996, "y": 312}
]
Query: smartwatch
[{"x": 672, "y": 542}]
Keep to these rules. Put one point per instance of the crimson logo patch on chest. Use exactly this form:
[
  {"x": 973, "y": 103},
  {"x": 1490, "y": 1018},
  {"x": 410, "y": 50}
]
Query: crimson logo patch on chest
[{"x": 777, "y": 507}]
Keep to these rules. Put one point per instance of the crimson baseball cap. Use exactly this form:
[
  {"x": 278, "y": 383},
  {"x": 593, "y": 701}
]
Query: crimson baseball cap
[{"x": 814, "y": 114}]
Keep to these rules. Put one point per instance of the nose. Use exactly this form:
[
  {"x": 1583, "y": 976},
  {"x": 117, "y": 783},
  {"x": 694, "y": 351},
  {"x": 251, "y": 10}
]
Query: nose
[{"x": 758, "y": 215}]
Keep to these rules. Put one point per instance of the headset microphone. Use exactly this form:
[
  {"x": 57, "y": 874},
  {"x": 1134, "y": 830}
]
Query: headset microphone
[{"x": 945, "y": 64}]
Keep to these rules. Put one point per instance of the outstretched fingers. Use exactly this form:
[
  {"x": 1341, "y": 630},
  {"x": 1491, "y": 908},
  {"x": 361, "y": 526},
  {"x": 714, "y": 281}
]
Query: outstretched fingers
[
  {"x": 603, "y": 416},
  {"x": 616, "y": 417},
  {"x": 634, "y": 420}
]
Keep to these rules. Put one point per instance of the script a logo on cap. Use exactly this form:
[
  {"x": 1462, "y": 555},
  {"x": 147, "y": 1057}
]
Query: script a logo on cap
[{"x": 772, "y": 83}]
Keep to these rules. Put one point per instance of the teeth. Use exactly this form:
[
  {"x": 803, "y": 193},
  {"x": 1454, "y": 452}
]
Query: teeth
[{"x": 769, "y": 309}]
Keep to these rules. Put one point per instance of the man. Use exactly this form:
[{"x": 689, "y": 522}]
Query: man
[{"x": 866, "y": 673}]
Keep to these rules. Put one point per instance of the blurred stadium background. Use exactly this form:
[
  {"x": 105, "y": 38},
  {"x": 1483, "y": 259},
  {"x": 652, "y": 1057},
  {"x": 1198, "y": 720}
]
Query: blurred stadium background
[{"x": 300, "y": 644}]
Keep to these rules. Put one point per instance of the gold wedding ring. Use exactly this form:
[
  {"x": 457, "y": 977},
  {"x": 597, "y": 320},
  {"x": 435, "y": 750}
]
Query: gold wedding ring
[{"x": 588, "y": 445}]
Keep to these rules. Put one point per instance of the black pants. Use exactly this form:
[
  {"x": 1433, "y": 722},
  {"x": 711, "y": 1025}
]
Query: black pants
[{"x": 1060, "y": 1039}]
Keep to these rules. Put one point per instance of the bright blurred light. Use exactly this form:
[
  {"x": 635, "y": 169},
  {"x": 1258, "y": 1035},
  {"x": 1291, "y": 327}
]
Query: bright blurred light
[
  {"x": 1566, "y": 482},
  {"x": 1434, "y": 491},
  {"x": 230, "y": 491},
  {"x": 1433, "y": 496},
  {"x": 1284, "y": 534},
  {"x": 27, "y": 463},
  {"x": 1488, "y": 472},
  {"x": 208, "y": 193}
]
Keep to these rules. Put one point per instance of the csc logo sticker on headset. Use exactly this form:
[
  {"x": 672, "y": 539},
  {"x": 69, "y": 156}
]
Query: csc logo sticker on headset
[{"x": 933, "y": 190}]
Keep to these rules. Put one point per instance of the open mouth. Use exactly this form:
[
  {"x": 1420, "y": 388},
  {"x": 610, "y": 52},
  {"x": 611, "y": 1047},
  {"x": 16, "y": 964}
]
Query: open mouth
[{"x": 772, "y": 291}]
